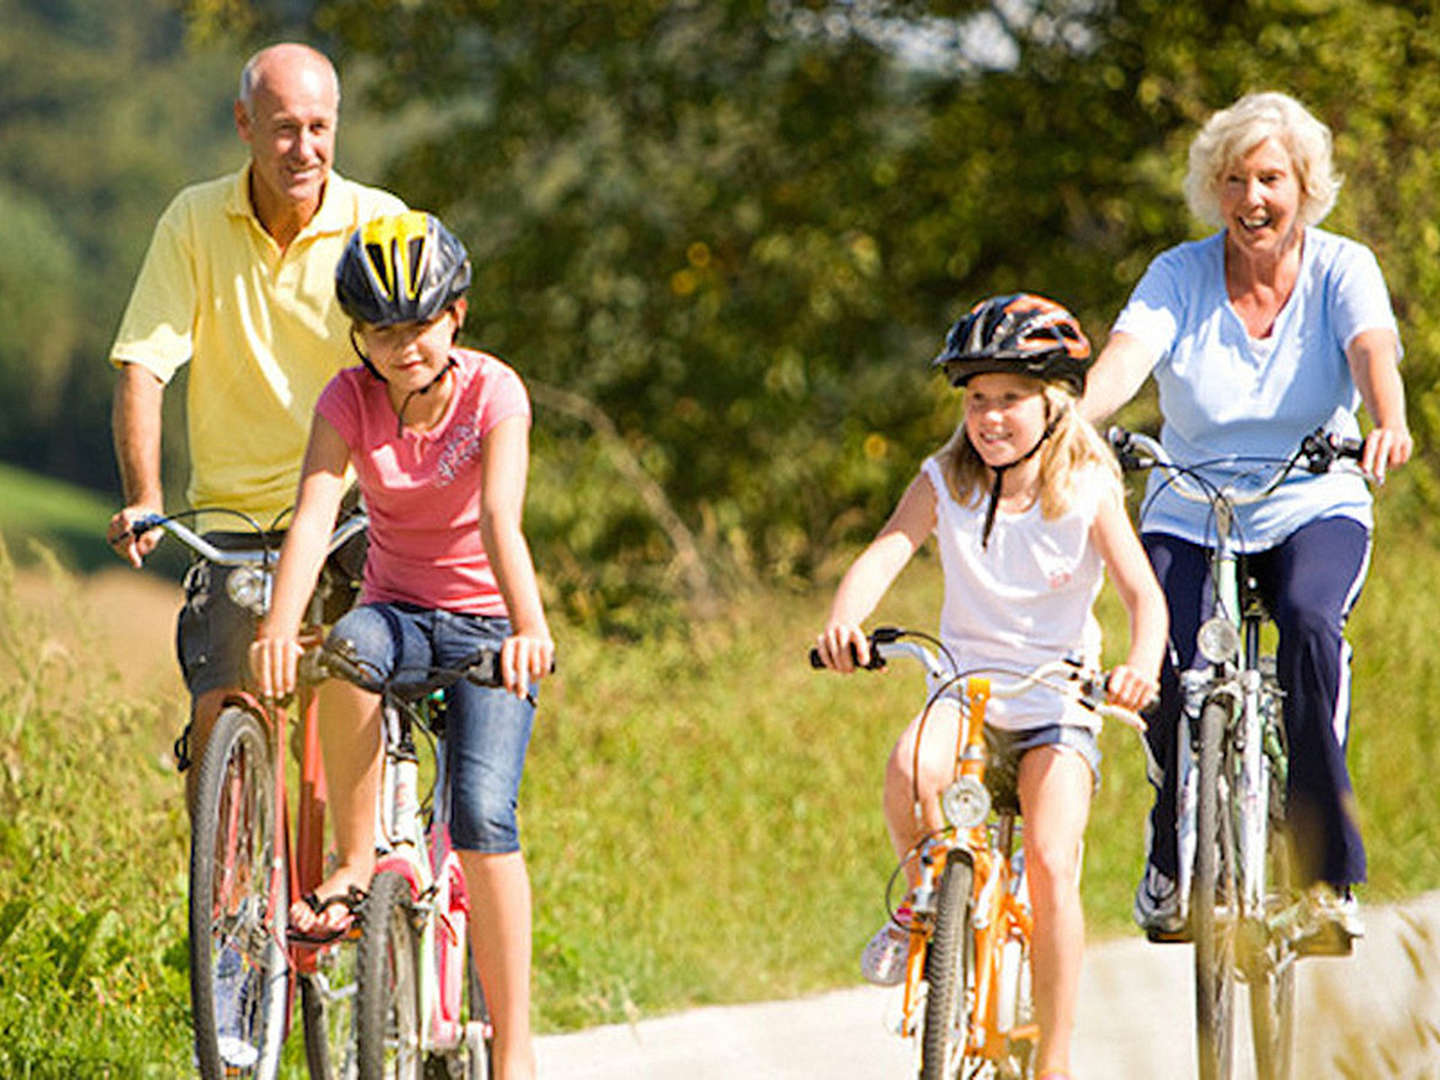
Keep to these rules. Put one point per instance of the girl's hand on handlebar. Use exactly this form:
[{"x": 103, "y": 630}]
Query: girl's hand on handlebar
[
  {"x": 1385, "y": 448},
  {"x": 843, "y": 647},
  {"x": 273, "y": 661},
  {"x": 1130, "y": 689},
  {"x": 525, "y": 657}
]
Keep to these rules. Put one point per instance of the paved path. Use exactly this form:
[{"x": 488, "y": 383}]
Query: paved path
[{"x": 1135, "y": 1021}]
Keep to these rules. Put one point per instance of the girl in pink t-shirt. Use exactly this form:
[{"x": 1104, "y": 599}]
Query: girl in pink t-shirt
[{"x": 439, "y": 439}]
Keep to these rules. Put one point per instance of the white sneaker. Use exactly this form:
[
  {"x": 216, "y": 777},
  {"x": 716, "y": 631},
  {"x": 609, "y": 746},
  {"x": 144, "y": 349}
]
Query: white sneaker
[
  {"x": 1340, "y": 910},
  {"x": 1157, "y": 904},
  {"x": 883, "y": 960}
]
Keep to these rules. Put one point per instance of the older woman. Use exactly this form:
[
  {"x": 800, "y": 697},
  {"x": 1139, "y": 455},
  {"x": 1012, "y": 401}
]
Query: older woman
[{"x": 1257, "y": 335}]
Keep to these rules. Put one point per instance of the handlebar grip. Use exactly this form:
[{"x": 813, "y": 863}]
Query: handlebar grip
[
  {"x": 140, "y": 526},
  {"x": 876, "y": 660},
  {"x": 1123, "y": 443}
]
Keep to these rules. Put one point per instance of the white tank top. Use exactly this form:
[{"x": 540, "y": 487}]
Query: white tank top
[{"x": 1025, "y": 600}]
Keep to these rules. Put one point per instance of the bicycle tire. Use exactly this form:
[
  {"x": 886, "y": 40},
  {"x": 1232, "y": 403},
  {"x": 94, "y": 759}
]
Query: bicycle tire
[
  {"x": 1271, "y": 974},
  {"x": 387, "y": 1000},
  {"x": 949, "y": 976},
  {"x": 1213, "y": 890},
  {"x": 238, "y": 964},
  {"x": 327, "y": 1009}
]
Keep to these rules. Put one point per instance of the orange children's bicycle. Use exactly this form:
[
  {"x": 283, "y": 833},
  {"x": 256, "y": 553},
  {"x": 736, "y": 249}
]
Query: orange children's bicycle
[
  {"x": 246, "y": 865},
  {"x": 967, "y": 998}
]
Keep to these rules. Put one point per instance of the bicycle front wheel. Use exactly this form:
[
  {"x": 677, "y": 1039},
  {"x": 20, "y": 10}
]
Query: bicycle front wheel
[
  {"x": 1271, "y": 973},
  {"x": 327, "y": 1006},
  {"x": 387, "y": 1008},
  {"x": 239, "y": 976},
  {"x": 950, "y": 977},
  {"x": 1213, "y": 901}
]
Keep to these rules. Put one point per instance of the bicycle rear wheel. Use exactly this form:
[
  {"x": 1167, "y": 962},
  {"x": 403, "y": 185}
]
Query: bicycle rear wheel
[
  {"x": 239, "y": 975},
  {"x": 327, "y": 1006},
  {"x": 1213, "y": 902},
  {"x": 387, "y": 1006},
  {"x": 949, "y": 977}
]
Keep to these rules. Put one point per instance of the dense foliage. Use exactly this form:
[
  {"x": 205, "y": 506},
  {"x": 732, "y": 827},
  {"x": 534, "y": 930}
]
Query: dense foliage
[{"x": 734, "y": 231}]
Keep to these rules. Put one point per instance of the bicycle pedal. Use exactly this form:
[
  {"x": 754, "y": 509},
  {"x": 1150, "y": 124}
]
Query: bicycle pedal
[
  {"x": 1170, "y": 937},
  {"x": 1328, "y": 941}
]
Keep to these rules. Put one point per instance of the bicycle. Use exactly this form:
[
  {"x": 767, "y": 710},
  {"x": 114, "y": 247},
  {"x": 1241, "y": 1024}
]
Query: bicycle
[
  {"x": 967, "y": 997},
  {"x": 1246, "y": 914},
  {"x": 247, "y": 866},
  {"x": 419, "y": 1004}
]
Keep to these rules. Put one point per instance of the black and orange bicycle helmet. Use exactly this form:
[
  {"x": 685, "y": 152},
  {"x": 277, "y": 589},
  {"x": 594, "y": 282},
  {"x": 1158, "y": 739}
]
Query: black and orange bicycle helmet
[
  {"x": 1021, "y": 333},
  {"x": 401, "y": 268}
]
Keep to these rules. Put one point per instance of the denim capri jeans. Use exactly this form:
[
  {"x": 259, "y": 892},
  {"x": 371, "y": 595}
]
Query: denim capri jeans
[{"x": 486, "y": 730}]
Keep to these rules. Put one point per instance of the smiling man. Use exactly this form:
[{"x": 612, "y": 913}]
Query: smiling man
[{"x": 239, "y": 282}]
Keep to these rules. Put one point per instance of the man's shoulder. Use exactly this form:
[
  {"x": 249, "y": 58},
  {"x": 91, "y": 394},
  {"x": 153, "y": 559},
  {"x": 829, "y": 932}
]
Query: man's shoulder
[
  {"x": 205, "y": 198},
  {"x": 360, "y": 202}
]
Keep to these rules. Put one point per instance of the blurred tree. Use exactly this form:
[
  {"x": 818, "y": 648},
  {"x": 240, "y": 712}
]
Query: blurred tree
[
  {"x": 739, "y": 228},
  {"x": 103, "y": 114}
]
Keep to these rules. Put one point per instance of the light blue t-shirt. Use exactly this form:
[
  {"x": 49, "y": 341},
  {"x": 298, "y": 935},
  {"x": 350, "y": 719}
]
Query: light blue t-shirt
[{"x": 1224, "y": 393}]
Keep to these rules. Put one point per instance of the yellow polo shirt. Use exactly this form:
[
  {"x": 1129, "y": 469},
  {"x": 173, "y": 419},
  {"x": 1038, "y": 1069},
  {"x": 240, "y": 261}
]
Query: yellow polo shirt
[{"x": 260, "y": 327}]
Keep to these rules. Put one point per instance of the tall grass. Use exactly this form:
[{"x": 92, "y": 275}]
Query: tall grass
[{"x": 700, "y": 812}]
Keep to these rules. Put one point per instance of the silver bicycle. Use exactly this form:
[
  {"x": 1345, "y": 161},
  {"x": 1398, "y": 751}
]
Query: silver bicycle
[{"x": 1246, "y": 913}]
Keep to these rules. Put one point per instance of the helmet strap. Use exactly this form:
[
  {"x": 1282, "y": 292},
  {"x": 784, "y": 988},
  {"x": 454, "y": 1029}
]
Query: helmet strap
[
  {"x": 355, "y": 344},
  {"x": 1000, "y": 470},
  {"x": 422, "y": 391}
]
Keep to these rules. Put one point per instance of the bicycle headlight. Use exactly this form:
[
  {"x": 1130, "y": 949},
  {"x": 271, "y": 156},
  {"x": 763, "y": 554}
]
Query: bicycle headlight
[
  {"x": 965, "y": 803},
  {"x": 249, "y": 588},
  {"x": 1218, "y": 640}
]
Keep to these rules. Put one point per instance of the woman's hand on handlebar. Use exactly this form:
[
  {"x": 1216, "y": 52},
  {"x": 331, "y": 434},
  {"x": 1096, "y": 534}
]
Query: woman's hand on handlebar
[
  {"x": 843, "y": 647},
  {"x": 274, "y": 658},
  {"x": 525, "y": 657},
  {"x": 1385, "y": 448},
  {"x": 1130, "y": 689}
]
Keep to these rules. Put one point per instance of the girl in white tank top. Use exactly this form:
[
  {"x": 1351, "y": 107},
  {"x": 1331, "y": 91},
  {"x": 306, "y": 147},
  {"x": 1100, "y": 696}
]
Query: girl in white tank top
[{"x": 1026, "y": 504}]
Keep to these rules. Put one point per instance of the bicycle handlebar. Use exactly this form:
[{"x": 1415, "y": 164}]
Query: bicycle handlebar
[
  {"x": 258, "y": 556},
  {"x": 1319, "y": 451},
  {"x": 1088, "y": 685}
]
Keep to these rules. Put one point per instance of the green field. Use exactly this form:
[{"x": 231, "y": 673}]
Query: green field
[{"x": 701, "y": 814}]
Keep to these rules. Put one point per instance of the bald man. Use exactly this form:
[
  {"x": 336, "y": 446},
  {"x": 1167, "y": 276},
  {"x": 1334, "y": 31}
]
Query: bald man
[{"x": 239, "y": 282}]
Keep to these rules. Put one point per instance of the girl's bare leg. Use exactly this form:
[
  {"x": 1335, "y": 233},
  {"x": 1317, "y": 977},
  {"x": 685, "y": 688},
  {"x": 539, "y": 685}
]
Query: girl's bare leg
[
  {"x": 1055, "y": 785},
  {"x": 350, "y": 745},
  {"x": 937, "y": 768},
  {"x": 499, "y": 888}
]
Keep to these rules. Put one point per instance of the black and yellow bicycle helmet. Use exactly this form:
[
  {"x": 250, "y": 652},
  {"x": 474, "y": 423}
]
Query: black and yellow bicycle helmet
[{"x": 401, "y": 268}]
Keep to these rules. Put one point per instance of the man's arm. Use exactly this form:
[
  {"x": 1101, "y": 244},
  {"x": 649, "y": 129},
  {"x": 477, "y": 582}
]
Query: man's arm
[{"x": 135, "y": 417}]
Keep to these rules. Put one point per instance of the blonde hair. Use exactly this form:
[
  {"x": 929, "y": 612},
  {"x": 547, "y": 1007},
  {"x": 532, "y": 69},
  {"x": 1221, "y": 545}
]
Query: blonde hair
[
  {"x": 1073, "y": 445},
  {"x": 1232, "y": 133}
]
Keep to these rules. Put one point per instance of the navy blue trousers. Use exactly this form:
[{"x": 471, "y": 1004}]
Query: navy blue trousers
[{"x": 1309, "y": 583}]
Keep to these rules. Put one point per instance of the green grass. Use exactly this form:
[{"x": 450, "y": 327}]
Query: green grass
[
  {"x": 701, "y": 815},
  {"x": 67, "y": 519}
]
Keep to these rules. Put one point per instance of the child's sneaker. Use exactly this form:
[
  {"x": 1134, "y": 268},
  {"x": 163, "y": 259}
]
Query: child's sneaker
[{"x": 883, "y": 960}]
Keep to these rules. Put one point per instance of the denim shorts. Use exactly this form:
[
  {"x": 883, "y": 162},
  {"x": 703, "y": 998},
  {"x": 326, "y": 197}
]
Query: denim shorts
[
  {"x": 487, "y": 731},
  {"x": 1005, "y": 748}
]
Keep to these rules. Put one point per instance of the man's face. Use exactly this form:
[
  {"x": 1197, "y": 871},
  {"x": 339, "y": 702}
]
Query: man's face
[{"x": 290, "y": 128}]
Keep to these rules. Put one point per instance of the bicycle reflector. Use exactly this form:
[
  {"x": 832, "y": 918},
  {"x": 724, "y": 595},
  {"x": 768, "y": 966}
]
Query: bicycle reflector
[
  {"x": 249, "y": 588},
  {"x": 1218, "y": 640},
  {"x": 965, "y": 803}
]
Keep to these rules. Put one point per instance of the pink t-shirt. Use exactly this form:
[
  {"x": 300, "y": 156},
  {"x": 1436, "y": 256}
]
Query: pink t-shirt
[{"x": 422, "y": 488}]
